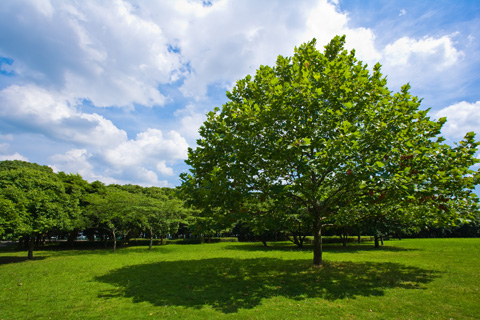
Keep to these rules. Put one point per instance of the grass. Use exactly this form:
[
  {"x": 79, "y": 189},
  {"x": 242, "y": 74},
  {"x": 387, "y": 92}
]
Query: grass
[{"x": 407, "y": 279}]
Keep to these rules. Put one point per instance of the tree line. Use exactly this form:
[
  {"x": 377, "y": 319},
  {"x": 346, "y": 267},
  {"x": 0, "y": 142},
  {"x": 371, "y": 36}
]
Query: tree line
[{"x": 35, "y": 203}]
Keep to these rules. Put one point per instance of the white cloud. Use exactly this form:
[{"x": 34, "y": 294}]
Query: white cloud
[
  {"x": 402, "y": 12},
  {"x": 74, "y": 161},
  {"x": 14, "y": 156},
  {"x": 163, "y": 169},
  {"x": 103, "y": 52},
  {"x": 150, "y": 144},
  {"x": 190, "y": 121},
  {"x": 4, "y": 153},
  {"x": 50, "y": 113},
  {"x": 325, "y": 21},
  {"x": 407, "y": 51},
  {"x": 133, "y": 54},
  {"x": 434, "y": 66},
  {"x": 462, "y": 117}
]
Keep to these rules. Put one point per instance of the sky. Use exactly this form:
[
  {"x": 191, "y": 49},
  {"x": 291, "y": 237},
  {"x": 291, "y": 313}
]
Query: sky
[{"x": 116, "y": 90}]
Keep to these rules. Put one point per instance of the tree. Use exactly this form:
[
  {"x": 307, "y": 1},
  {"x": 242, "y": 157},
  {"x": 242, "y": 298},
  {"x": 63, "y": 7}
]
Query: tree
[
  {"x": 317, "y": 129},
  {"x": 114, "y": 211},
  {"x": 76, "y": 189},
  {"x": 32, "y": 199},
  {"x": 160, "y": 211}
]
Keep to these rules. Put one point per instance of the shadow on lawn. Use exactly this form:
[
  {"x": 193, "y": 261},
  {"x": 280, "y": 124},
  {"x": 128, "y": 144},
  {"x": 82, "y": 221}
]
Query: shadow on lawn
[
  {"x": 14, "y": 259},
  {"x": 228, "y": 284},
  {"x": 333, "y": 248}
]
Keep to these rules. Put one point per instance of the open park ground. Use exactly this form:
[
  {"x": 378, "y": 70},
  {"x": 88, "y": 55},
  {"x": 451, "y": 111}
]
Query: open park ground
[{"x": 405, "y": 279}]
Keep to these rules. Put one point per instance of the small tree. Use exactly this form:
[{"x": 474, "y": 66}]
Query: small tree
[{"x": 114, "y": 211}]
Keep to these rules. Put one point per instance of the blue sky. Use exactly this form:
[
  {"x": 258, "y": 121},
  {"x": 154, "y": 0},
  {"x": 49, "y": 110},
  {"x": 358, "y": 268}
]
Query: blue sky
[{"x": 116, "y": 90}]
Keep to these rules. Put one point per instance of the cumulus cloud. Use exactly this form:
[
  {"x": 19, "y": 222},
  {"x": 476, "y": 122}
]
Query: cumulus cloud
[
  {"x": 163, "y": 169},
  {"x": 50, "y": 113},
  {"x": 102, "y": 143},
  {"x": 6, "y": 155},
  {"x": 462, "y": 117},
  {"x": 102, "y": 52},
  {"x": 406, "y": 51},
  {"x": 150, "y": 144},
  {"x": 190, "y": 121},
  {"x": 14, "y": 156},
  {"x": 74, "y": 161},
  {"x": 325, "y": 21},
  {"x": 91, "y": 54}
]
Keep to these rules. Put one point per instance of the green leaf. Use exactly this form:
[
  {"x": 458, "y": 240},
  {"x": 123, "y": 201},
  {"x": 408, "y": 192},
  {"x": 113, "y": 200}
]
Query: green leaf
[{"x": 379, "y": 164}]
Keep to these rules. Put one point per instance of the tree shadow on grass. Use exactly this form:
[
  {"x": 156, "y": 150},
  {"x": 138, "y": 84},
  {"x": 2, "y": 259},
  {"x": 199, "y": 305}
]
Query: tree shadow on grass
[
  {"x": 333, "y": 248},
  {"x": 228, "y": 284},
  {"x": 15, "y": 259}
]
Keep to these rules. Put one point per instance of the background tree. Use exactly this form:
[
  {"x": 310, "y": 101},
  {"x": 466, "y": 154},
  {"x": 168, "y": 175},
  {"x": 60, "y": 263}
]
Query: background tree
[
  {"x": 115, "y": 211},
  {"x": 161, "y": 212},
  {"x": 33, "y": 199},
  {"x": 76, "y": 220},
  {"x": 318, "y": 129}
]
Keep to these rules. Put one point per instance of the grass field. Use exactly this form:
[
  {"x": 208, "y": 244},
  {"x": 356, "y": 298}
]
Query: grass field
[{"x": 407, "y": 279}]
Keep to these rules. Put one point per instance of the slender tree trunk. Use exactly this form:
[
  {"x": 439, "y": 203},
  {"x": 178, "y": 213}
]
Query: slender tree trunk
[
  {"x": 317, "y": 241},
  {"x": 377, "y": 245},
  {"x": 21, "y": 243},
  {"x": 381, "y": 240},
  {"x": 359, "y": 239},
  {"x": 151, "y": 240},
  {"x": 344, "y": 240},
  {"x": 71, "y": 238},
  {"x": 31, "y": 244},
  {"x": 114, "y": 241}
]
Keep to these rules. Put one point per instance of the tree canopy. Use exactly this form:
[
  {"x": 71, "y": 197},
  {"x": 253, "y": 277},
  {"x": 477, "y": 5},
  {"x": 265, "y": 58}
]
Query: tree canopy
[
  {"x": 325, "y": 133},
  {"x": 35, "y": 202}
]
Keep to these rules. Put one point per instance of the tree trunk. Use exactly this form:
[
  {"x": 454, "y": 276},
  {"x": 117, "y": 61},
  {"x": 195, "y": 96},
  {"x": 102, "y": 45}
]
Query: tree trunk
[
  {"x": 21, "y": 243},
  {"x": 31, "y": 244},
  {"x": 151, "y": 240},
  {"x": 377, "y": 245},
  {"x": 344, "y": 240},
  {"x": 317, "y": 242},
  {"x": 359, "y": 240},
  {"x": 71, "y": 238},
  {"x": 114, "y": 241}
]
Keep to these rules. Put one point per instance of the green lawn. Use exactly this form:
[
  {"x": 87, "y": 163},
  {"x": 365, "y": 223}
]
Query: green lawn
[{"x": 407, "y": 279}]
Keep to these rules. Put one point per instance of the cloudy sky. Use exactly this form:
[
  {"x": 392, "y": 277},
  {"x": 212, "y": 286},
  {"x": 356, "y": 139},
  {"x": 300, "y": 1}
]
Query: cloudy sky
[{"x": 116, "y": 90}]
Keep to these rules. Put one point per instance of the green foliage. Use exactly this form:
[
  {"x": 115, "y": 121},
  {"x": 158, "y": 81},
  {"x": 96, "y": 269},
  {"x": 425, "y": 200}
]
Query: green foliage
[
  {"x": 32, "y": 199},
  {"x": 322, "y": 132}
]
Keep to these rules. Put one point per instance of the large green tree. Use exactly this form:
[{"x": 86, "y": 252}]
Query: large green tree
[{"x": 319, "y": 128}]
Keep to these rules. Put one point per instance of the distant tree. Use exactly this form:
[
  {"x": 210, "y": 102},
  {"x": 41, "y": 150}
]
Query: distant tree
[
  {"x": 32, "y": 200},
  {"x": 320, "y": 129},
  {"x": 76, "y": 220},
  {"x": 114, "y": 211},
  {"x": 161, "y": 212}
]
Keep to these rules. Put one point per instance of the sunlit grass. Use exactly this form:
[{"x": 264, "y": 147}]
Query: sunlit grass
[{"x": 407, "y": 279}]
